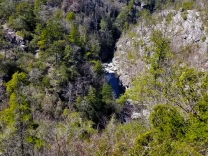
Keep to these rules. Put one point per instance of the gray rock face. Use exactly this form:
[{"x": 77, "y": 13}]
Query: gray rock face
[
  {"x": 136, "y": 115},
  {"x": 189, "y": 44},
  {"x": 133, "y": 110},
  {"x": 12, "y": 37},
  {"x": 2, "y": 89},
  {"x": 145, "y": 113}
]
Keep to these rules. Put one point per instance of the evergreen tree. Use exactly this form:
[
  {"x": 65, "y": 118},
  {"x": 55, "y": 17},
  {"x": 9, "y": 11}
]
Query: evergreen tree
[
  {"x": 106, "y": 93},
  {"x": 17, "y": 124},
  {"x": 74, "y": 36}
]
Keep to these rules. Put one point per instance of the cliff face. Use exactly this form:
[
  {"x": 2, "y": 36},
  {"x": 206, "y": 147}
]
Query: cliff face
[
  {"x": 2, "y": 89},
  {"x": 188, "y": 37}
]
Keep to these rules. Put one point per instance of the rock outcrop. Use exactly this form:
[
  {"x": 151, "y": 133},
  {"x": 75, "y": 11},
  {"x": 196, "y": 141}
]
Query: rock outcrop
[
  {"x": 188, "y": 41},
  {"x": 12, "y": 37},
  {"x": 133, "y": 110},
  {"x": 2, "y": 89}
]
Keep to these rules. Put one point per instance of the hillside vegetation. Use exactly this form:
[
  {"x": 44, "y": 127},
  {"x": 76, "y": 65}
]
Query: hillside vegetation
[{"x": 55, "y": 99}]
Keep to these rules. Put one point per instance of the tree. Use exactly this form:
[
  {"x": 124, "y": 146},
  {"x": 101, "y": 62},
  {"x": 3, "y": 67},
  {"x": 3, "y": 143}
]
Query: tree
[
  {"x": 180, "y": 126},
  {"x": 93, "y": 105},
  {"x": 17, "y": 124},
  {"x": 74, "y": 36},
  {"x": 106, "y": 32},
  {"x": 122, "y": 21},
  {"x": 162, "y": 54},
  {"x": 51, "y": 32},
  {"x": 107, "y": 95},
  {"x": 6, "y": 9},
  {"x": 23, "y": 17},
  {"x": 167, "y": 121},
  {"x": 57, "y": 50},
  {"x": 70, "y": 16},
  {"x": 166, "y": 135}
]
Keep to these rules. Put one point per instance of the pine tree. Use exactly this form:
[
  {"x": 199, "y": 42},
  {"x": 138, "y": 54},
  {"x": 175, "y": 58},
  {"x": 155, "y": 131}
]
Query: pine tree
[
  {"x": 74, "y": 36},
  {"x": 16, "y": 120},
  {"x": 106, "y": 93}
]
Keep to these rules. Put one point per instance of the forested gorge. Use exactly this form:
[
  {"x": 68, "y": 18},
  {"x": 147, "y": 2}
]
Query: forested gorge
[{"x": 55, "y": 99}]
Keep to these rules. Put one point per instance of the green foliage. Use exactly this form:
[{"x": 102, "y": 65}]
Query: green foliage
[
  {"x": 74, "y": 36},
  {"x": 2, "y": 41},
  {"x": 186, "y": 88},
  {"x": 53, "y": 31},
  {"x": 180, "y": 127},
  {"x": 39, "y": 116},
  {"x": 126, "y": 16},
  {"x": 168, "y": 132},
  {"x": 141, "y": 88},
  {"x": 16, "y": 120},
  {"x": 122, "y": 20},
  {"x": 161, "y": 54},
  {"x": 70, "y": 16},
  {"x": 46, "y": 81},
  {"x": 184, "y": 15},
  {"x": 167, "y": 121},
  {"x": 106, "y": 93},
  {"x": 104, "y": 25},
  {"x": 57, "y": 50},
  {"x": 6, "y": 9},
  {"x": 23, "y": 18},
  {"x": 24, "y": 34},
  {"x": 203, "y": 38},
  {"x": 15, "y": 83},
  {"x": 37, "y": 6},
  {"x": 117, "y": 138},
  {"x": 97, "y": 67},
  {"x": 122, "y": 99},
  {"x": 90, "y": 105},
  {"x": 74, "y": 126},
  {"x": 188, "y": 5},
  {"x": 36, "y": 141},
  {"x": 168, "y": 18},
  {"x": 97, "y": 103}
]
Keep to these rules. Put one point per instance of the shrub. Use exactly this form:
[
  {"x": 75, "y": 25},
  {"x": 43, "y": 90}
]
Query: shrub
[
  {"x": 169, "y": 18},
  {"x": 46, "y": 81},
  {"x": 203, "y": 38},
  {"x": 70, "y": 16},
  {"x": 184, "y": 16},
  {"x": 188, "y": 5}
]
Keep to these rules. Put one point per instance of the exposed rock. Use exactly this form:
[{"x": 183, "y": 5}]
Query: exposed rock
[
  {"x": 12, "y": 37},
  {"x": 144, "y": 5},
  {"x": 136, "y": 115},
  {"x": 37, "y": 54},
  {"x": 145, "y": 113},
  {"x": 133, "y": 110},
  {"x": 2, "y": 89},
  {"x": 186, "y": 43}
]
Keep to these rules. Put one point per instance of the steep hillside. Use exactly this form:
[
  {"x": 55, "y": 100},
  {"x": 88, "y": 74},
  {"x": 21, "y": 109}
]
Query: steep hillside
[
  {"x": 186, "y": 31},
  {"x": 61, "y": 95}
]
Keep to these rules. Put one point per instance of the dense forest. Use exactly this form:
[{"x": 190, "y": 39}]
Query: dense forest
[{"x": 55, "y": 99}]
